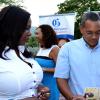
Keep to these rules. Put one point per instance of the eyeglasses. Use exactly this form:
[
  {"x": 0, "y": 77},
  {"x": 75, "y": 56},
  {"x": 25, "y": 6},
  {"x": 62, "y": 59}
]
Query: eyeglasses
[{"x": 89, "y": 33}]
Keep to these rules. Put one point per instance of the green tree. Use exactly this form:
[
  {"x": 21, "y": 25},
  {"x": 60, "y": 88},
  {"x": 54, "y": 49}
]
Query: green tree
[
  {"x": 32, "y": 42},
  {"x": 79, "y": 6},
  {"x": 33, "y": 45},
  {"x": 9, "y": 2}
]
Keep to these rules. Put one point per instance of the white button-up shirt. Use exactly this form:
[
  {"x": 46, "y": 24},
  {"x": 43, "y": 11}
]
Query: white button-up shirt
[{"x": 17, "y": 79}]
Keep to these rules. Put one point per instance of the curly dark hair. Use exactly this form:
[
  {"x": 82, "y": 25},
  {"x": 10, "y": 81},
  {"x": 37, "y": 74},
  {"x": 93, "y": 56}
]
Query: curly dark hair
[{"x": 49, "y": 35}]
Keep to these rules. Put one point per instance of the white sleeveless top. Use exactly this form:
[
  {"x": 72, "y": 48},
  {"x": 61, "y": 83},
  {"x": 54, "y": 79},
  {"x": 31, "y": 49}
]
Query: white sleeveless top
[{"x": 45, "y": 52}]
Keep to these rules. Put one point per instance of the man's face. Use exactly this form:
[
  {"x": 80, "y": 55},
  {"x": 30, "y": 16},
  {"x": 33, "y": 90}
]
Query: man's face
[{"x": 91, "y": 32}]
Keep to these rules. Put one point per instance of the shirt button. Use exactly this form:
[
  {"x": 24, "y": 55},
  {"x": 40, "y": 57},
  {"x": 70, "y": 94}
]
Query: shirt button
[
  {"x": 34, "y": 81},
  {"x": 33, "y": 72},
  {"x": 33, "y": 95}
]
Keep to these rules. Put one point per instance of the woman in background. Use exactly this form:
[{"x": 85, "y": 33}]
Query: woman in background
[{"x": 47, "y": 56}]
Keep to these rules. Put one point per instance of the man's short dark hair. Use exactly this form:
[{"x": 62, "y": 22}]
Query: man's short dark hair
[{"x": 89, "y": 16}]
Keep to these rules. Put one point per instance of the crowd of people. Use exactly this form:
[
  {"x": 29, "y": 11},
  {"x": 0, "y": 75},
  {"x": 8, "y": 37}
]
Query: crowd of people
[{"x": 60, "y": 65}]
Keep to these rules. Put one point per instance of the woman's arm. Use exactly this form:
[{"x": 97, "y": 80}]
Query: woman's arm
[
  {"x": 54, "y": 53},
  {"x": 50, "y": 70}
]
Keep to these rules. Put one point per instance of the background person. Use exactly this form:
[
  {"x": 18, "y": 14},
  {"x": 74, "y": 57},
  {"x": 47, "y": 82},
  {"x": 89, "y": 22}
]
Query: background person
[
  {"x": 47, "y": 56},
  {"x": 62, "y": 41}
]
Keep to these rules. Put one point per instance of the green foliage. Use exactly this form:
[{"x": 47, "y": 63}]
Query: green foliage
[
  {"x": 32, "y": 42},
  {"x": 79, "y": 6},
  {"x": 32, "y": 45},
  {"x": 6, "y": 1},
  {"x": 10, "y": 2}
]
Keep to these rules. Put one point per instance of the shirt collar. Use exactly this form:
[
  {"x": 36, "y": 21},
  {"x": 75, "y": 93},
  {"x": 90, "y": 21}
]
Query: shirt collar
[
  {"x": 21, "y": 48},
  {"x": 84, "y": 42}
]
